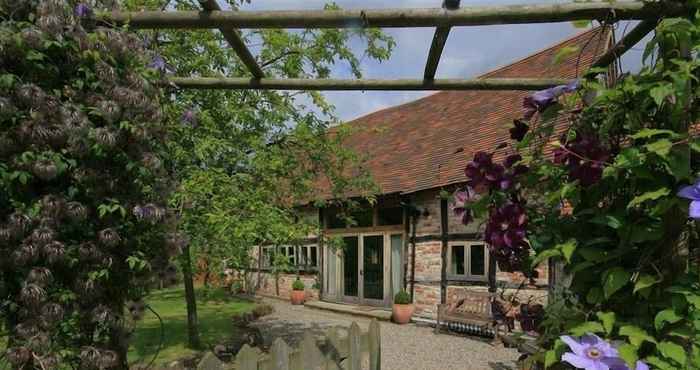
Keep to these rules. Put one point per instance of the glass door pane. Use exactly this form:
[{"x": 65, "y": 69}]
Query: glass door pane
[
  {"x": 396, "y": 263},
  {"x": 373, "y": 267},
  {"x": 330, "y": 276},
  {"x": 350, "y": 264}
]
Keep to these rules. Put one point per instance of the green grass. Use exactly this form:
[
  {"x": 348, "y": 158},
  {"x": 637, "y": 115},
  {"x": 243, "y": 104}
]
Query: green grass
[{"x": 214, "y": 309}]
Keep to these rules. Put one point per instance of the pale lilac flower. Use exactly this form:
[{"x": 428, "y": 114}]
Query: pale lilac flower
[
  {"x": 459, "y": 206},
  {"x": 158, "y": 63},
  {"x": 692, "y": 192},
  {"x": 83, "y": 11},
  {"x": 592, "y": 353},
  {"x": 541, "y": 100},
  {"x": 189, "y": 117}
]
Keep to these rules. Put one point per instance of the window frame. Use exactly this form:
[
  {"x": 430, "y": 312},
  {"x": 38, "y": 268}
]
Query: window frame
[
  {"x": 297, "y": 251},
  {"x": 467, "y": 276}
]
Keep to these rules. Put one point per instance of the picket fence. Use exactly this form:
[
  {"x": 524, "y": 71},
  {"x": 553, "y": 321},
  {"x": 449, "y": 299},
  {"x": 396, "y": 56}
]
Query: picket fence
[{"x": 340, "y": 353}]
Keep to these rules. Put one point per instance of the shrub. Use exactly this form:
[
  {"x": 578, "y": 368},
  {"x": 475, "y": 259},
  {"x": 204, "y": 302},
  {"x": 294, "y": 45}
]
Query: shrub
[
  {"x": 402, "y": 297},
  {"x": 298, "y": 285},
  {"x": 263, "y": 310}
]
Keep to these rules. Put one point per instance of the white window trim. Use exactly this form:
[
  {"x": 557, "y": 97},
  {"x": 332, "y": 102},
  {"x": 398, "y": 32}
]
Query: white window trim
[{"x": 467, "y": 259}]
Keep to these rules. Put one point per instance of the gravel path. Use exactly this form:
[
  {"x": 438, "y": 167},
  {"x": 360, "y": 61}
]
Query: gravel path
[{"x": 404, "y": 347}]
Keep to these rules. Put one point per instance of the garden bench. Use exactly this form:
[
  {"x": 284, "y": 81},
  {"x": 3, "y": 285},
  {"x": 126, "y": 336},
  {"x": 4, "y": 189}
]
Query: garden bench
[{"x": 471, "y": 309}]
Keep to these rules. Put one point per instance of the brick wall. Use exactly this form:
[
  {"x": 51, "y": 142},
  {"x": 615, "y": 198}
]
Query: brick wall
[{"x": 266, "y": 285}]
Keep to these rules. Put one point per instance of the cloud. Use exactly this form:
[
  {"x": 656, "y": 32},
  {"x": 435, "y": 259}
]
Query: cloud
[{"x": 469, "y": 52}]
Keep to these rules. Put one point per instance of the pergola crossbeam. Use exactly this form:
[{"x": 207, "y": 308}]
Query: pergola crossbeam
[
  {"x": 236, "y": 42},
  {"x": 626, "y": 43},
  {"x": 436, "y": 48},
  {"x": 492, "y": 84},
  {"x": 465, "y": 16}
]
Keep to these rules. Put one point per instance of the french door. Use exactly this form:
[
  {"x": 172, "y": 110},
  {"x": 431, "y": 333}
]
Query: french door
[{"x": 365, "y": 272}]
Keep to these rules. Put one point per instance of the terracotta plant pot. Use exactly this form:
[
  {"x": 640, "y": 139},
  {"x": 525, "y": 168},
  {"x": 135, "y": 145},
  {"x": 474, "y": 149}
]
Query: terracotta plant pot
[
  {"x": 401, "y": 313},
  {"x": 298, "y": 297}
]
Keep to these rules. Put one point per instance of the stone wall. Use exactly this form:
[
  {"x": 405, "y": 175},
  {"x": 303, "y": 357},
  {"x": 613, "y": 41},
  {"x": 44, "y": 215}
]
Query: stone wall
[{"x": 266, "y": 285}]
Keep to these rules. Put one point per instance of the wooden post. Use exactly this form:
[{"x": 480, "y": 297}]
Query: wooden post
[
  {"x": 236, "y": 42},
  {"x": 310, "y": 354},
  {"x": 321, "y": 271},
  {"x": 375, "y": 346},
  {"x": 407, "y": 241},
  {"x": 626, "y": 43},
  {"x": 489, "y": 84},
  {"x": 247, "y": 359},
  {"x": 436, "y": 48},
  {"x": 362, "y": 18},
  {"x": 444, "y": 230},
  {"x": 280, "y": 355},
  {"x": 492, "y": 273},
  {"x": 414, "y": 222},
  {"x": 355, "y": 356},
  {"x": 332, "y": 358}
]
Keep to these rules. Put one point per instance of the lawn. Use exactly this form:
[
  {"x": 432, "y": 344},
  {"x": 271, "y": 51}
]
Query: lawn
[{"x": 214, "y": 309}]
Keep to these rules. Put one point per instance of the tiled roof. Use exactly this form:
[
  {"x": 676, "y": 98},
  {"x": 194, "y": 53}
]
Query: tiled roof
[{"x": 427, "y": 143}]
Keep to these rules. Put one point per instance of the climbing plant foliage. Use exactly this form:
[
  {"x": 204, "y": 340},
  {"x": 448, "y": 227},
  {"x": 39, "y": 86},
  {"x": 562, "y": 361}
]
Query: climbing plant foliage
[
  {"x": 83, "y": 222},
  {"x": 598, "y": 193}
]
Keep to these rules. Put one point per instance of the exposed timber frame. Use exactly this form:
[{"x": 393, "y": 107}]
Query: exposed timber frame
[
  {"x": 431, "y": 17},
  {"x": 494, "y": 84},
  {"x": 228, "y": 22},
  {"x": 236, "y": 42}
]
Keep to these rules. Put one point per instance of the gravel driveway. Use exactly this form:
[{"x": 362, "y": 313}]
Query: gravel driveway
[{"x": 404, "y": 347}]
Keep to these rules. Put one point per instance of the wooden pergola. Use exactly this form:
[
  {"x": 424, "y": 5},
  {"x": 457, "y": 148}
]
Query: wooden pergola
[{"x": 229, "y": 23}]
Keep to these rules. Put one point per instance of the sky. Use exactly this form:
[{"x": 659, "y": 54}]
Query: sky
[{"x": 469, "y": 52}]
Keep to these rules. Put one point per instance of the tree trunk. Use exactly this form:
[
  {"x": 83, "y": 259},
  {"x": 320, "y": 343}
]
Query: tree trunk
[{"x": 191, "y": 299}]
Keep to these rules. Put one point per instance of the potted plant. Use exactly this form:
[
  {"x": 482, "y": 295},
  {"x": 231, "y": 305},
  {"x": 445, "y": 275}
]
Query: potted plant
[
  {"x": 402, "y": 310},
  {"x": 298, "y": 293}
]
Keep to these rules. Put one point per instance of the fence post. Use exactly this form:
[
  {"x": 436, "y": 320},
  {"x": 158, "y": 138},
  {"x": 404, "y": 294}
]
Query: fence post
[
  {"x": 247, "y": 358},
  {"x": 355, "y": 357},
  {"x": 280, "y": 355},
  {"x": 375, "y": 346},
  {"x": 310, "y": 354},
  {"x": 331, "y": 358}
]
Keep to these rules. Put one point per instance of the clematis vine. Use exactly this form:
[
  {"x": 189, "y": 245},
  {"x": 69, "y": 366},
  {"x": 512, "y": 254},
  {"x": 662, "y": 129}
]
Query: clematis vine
[
  {"x": 584, "y": 158},
  {"x": 459, "y": 206},
  {"x": 591, "y": 352},
  {"x": 519, "y": 130},
  {"x": 541, "y": 100},
  {"x": 692, "y": 192}
]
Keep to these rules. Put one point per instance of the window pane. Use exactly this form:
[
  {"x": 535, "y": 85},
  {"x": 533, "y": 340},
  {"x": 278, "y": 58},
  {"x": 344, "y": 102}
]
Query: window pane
[
  {"x": 302, "y": 255},
  {"x": 478, "y": 260},
  {"x": 350, "y": 266},
  {"x": 313, "y": 256},
  {"x": 363, "y": 217},
  {"x": 390, "y": 216},
  {"x": 457, "y": 259}
]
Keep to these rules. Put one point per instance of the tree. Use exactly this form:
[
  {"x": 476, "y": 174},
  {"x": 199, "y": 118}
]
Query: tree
[
  {"x": 83, "y": 221},
  {"x": 245, "y": 159}
]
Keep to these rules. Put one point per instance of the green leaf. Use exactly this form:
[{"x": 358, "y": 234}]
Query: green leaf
[
  {"x": 587, "y": 327},
  {"x": 608, "y": 320},
  {"x": 609, "y": 220},
  {"x": 660, "y": 147},
  {"x": 550, "y": 358},
  {"x": 564, "y": 53},
  {"x": 636, "y": 335},
  {"x": 567, "y": 249},
  {"x": 666, "y": 316},
  {"x": 614, "y": 280},
  {"x": 645, "y": 281},
  {"x": 673, "y": 351},
  {"x": 660, "y": 93},
  {"x": 650, "y": 195},
  {"x": 651, "y": 132},
  {"x": 629, "y": 354},
  {"x": 695, "y": 145},
  {"x": 594, "y": 296},
  {"x": 544, "y": 255}
]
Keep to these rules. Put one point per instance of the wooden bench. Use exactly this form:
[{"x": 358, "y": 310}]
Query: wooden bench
[{"x": 470, "y": 308}]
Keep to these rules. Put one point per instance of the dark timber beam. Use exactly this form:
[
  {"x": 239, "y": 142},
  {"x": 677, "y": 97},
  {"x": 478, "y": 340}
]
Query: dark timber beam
[
  {"x": 626, "y": 43},
  {"x": 439, "y": 40},
  {"x": 435, "y": 17},
  {"x": 493, "y": 84},
  {"x": 236, "y": 42}
]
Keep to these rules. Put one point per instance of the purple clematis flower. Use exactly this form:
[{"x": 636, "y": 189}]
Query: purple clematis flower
[
  {"x": 592, "y": 353},
  {"x": 541, "y": 100},
  {"x": 459, "y": 206},
  {"x": 158, "y": 63},
  {"x": 82, "y": 11},
  {"x": 692, "y": 192},
  {"x": 189, "y": 117}
]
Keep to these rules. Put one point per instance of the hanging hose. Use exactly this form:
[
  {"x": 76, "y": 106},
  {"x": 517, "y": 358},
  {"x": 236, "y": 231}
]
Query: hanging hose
[{"x": 162, "y": 336}]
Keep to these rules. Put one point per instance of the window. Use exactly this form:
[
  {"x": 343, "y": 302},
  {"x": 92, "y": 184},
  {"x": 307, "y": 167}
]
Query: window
[
  {"x": 467, "y": 261},
  {"x": 303, "y": 257}
]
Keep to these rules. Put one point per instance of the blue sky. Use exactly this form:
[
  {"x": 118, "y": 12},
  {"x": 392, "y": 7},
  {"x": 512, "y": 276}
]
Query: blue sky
[{"x": 470, "y": 51}]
